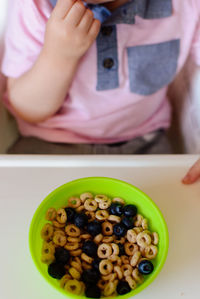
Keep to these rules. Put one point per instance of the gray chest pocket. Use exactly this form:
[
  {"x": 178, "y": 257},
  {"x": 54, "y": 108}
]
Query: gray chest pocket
[{"x": 152, "y": 67}]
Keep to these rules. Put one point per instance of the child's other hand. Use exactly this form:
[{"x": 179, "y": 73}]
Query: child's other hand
[
  {"x": 70, "y": 31},
  {"x": 193, "y": 174}
]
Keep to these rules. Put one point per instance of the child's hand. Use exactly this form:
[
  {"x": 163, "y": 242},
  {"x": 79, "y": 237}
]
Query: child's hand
[
  {"x": 70, "y": 31},
  {"x": 193, "y": 174}
]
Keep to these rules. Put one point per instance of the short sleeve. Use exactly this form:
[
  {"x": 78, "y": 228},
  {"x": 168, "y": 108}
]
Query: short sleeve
[{"x": 24, "y": 36}]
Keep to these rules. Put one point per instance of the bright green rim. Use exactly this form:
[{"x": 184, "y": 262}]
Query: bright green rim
[{"x": 147, "y": 198}]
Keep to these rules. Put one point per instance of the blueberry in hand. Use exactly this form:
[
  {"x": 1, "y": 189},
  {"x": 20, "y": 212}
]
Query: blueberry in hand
[
  {"x": 128, "y": 222},
  {"x": 145, "y": 267},
  {"x": 116, "y": 209},
  {"x": 94, "y": 228},
  {"x": 56, "y": 270},
  {"x": 62, "y": 255},
  {"x": 90, "y": 276},
  {"x": 119, "y": 230},
  {"x": 130, "y": 210},
  {"x": 93, "y": 292},
  {"x": 90, "y": 248},
  {"x": 70, "y": 214},
  {"x": 80, "y": 220},
  {"x": 123, "y": 287}
]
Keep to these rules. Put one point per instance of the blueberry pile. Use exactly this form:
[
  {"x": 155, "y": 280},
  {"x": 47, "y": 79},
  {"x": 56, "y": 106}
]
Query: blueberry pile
[{"x": 72, "y": 240}]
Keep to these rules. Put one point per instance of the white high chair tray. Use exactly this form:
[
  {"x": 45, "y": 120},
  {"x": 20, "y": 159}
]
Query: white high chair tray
[{"x": 26, "y": 180}]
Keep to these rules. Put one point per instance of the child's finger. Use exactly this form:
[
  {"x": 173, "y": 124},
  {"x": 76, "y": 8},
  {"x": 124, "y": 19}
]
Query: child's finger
[
  {"x": 193, "y": 174},
  {"x": 94, "y": 29},
  {"x": 62, "y": 8},
  {"x": 76, "y": 13},
  {"x": 86, "y": 20}
]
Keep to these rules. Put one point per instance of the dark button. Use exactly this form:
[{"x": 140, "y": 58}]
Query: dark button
[
  {"x": 124, "y": 12},
  {"x": 106, "y": 30},
  {"x": 108, "y": 63}
]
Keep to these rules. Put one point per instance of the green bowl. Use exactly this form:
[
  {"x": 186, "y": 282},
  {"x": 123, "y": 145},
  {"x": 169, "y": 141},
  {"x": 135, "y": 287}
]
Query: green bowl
[{"x": 112, "y": 188}]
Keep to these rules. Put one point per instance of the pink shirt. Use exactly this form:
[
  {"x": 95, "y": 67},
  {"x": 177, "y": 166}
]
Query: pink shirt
[{"x": 149, "y": 50}]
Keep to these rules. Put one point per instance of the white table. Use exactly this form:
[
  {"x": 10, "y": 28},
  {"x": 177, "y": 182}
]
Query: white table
[{"x": 26, "y": 180}]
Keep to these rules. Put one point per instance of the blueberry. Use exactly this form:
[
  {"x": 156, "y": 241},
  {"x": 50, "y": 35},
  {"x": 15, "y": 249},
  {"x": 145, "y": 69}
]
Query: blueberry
[
  {"x": 94, "y": 228},
  {"x": 95, "y": 263},
  {"x": 121, "y": 249},
  {"x": 62, "y": 255},
  {"x": 123, "y": 287},
  {"x": 70, "y": 214},
  {"x": 128, "y": 222},
  {"x": 80, "y": 220},
  {"x": 119, "y": 230},
  {"x": 130, "y": 210},
  {"x": 90, "y": 276},
  {"x": 145, "y": 267},
  {"x": 93, "y": 292},
  {"x": 56, "y": 270},
  {"x": 116, "y": 209},
  {"x": 90, "y": 248}
]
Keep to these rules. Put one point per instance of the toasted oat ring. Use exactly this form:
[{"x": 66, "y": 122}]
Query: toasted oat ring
[
  {"x": 109, "y": 289},
  {"x": 126, "y": 269},
  {"x": 77, "y": 266},
  {"x": 101, "y": 284},
  {"x": 137, "y": 276},
  {"x": 59, "y": 239},
  {"x": 51, "y": 214},
  {"x": 125, "y": 259},
  {"x": 47, "y": 232},
  {"x": 113, "y": 258},
  {"x": 74, "y": 202},
  {"x": 48, "y": 248},
  {"x": 72, "y": 230},
  {"x": 121, "y": 240},
  {"x": 57, "y": 224},
  {"x": 61, "y": 216},
  {"x": 145, "y": 223},
  {"x": 110, "y": 277},
  {"x": 138, "y": 220},
  {"x": 98, "y": 238},
  {"x": 104, "y": 250},
  {"x": 155, "y": 238},
  {"x": 72, "y": 246},
  {"x": 75, "y": 259},
  {"x": 74, "y": 286},
  {"x": 60, "y": 232},
  {"x": 74, "y": 240},
  {"x": 114, "y": 218},
  {"x": 76, "y": 252},
  {"x": 47, "y": 258},
  {"x": 119, "y": 272},
  {"x": 118, "y": 261},
  {"x": 138, "y": 230},
  {"x": 115, "y": 249},
  {"x": 100, "y": 197},
  {"x": 90, "y": 205},
  {"x": 107, "y": 239},
  {"x": 118, "y": 200},
  {"x": 135, "y": 258},
  {"x": 107, "y": 228},
  {"x": 85, "y": 236},
  {"x": 64, "y": 279},
  {"x": 130, "y": 248},
  {"x": 86, "y": 266},
  {"x": 105, "y": 204},
  {"x": 132, "y": 283},
  {"x": 143, "y": 239},
  {"x": 151, "y": 252},
  {"x": 131, "y": 236},
  {"x": 105, "y": 267},
  {"x": 80, "y": 209},
  {"x": 74, "y": 273},
  {"x": 102, "y": 215},
  {"x": 90, "y": 215},
  {"x": 86, "y": 258},
  {"x": 86, "y": 195}
]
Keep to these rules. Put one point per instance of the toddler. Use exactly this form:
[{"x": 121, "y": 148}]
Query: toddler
[{"x": 91, "y": 77}]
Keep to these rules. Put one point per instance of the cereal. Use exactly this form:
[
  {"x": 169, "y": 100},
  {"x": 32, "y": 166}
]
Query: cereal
[{"x": 116, "y": 255}]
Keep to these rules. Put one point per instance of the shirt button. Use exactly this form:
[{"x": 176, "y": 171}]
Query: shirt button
[
  {"x": 108, "y": 63},
  {"x": 106, "y": 30}
]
